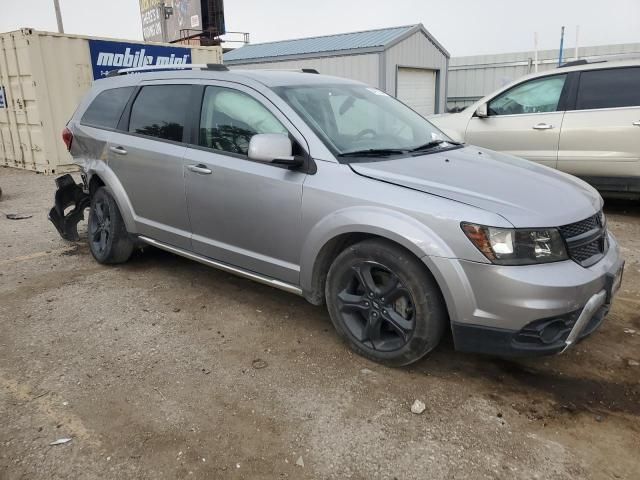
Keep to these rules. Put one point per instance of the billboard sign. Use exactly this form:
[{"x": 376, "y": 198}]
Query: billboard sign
[
  {"x": 107, "y": 56},
  {"x": 150, "y": 12},
  {"x": 3, "y": 98},
  {"x": 185, "y": 14}
]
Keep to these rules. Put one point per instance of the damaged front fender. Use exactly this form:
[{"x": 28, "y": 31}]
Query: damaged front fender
[{"x": 69, "y": 193}]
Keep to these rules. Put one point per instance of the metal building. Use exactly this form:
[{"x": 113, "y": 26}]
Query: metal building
[
  {"x": 473, "y": 77},
  {"x": 406, "y": 62}
]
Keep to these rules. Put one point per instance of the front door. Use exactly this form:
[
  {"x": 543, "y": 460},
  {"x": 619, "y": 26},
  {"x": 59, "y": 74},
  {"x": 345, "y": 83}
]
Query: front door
[
  {"x": 243, "y": 213},
  {"x": 149, "y": 161},
  {"x": 524, "y": 121}
]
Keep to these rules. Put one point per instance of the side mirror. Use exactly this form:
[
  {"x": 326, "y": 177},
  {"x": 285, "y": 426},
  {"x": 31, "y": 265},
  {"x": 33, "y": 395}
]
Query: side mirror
[
  {"x": 482, "y": 111},
  {"x": 272, "y": 148}
]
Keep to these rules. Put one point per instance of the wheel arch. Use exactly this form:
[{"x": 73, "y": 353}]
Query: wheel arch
[
  {"x": 348, "y": 227},
  {"x": 99, "y": 174}
]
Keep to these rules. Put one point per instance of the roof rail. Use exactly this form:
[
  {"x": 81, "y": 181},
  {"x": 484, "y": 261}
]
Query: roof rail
[
  {"x": 615, "y": 57},
  {"x": 218, "y": 67},
  {"x": 296, "y": 70},
  {"x": 574, "y": 63}
]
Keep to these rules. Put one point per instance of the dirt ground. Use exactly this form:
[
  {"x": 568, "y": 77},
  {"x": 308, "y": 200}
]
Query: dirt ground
[{"x": 164, "y": 368}]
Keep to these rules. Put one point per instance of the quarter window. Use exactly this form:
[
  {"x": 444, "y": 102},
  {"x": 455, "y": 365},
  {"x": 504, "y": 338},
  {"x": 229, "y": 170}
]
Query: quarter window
[
  {"x": 535, "y": 96},
  {"x": 229, "y": 118},
  {"x": 161, "y": 111},
  {"x": 107, "y": 107},
  {"x": 619, "y": 87}
]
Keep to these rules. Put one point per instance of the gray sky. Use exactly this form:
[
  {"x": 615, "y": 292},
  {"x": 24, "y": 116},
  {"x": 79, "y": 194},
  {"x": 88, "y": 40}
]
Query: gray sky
[{"x": 464, "y": 27}]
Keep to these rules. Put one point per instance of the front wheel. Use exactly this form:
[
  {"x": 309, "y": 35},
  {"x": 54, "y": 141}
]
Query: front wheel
[
  {"x": 385, "y": 303},
  {"x": 109, "y": 240}
]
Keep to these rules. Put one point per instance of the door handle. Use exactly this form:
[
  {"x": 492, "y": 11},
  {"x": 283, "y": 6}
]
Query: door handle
[
  {"x": 118, "y": 150},
  {"x": 200, "y": 169},
  {"x": 543, "y": 126},
  {"x": 636, "y": 124}
]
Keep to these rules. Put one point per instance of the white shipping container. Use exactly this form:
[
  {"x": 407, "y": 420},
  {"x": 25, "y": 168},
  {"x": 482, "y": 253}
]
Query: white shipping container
[{"x": 44, "y": 75}]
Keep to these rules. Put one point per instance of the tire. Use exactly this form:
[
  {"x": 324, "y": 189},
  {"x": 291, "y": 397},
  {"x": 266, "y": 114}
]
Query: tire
[
  {"x": 109, "y": 240},
  {"x": 395, "y": 330}
]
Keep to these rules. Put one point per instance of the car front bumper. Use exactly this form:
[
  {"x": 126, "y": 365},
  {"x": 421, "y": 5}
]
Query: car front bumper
[{"x": 527, "y": 310}]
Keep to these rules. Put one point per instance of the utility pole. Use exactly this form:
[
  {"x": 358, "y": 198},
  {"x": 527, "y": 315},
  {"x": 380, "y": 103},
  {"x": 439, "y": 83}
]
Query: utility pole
[
  {"x": 56, "y": 5},
  {"x": 535, "y": 52},
  {"x": 561, "y": 46},
  {"x": 577, "y": 40}
]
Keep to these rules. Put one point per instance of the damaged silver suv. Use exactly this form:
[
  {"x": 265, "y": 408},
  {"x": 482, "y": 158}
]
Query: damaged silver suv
[{"x": 333, "y": 190}]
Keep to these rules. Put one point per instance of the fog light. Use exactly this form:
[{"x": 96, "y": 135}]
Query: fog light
[{"x": 552, "y": 332}]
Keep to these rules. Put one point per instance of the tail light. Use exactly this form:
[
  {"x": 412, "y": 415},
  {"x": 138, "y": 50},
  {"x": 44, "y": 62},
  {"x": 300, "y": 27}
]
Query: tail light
[{"x": 67, "y": 138}]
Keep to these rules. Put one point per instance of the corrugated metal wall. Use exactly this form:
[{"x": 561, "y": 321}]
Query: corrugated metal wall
[
  {"x": 471, "y": 78},
  {"x": 418, "y": 52},
  {"x": 364, "y": 68}
]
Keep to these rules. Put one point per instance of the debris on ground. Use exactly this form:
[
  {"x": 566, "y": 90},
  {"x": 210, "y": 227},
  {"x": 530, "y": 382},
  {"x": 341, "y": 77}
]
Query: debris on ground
[
  {"x": 18, "y": 216},
  {"x": 300, "y": 462},
  {"x": 418, "y": 407},
  {"x": 258, "y": 363},
  {"x": 60, "y": 441},
  {"x": 366, "y": 371},
  {"x": 630, "y": 331},
  {"x": 633, "y": 363}
]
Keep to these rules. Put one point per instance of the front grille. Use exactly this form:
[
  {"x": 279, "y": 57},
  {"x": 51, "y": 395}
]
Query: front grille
[
  {"x": 583, "y": 226},
  {"x": 586, "y": 240}
]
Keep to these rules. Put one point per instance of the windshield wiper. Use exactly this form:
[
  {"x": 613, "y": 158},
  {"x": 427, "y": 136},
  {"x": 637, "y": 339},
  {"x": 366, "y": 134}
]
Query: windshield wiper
[
  {"x": 374, "y": 152},
  {"x": 433, "y": 144}
]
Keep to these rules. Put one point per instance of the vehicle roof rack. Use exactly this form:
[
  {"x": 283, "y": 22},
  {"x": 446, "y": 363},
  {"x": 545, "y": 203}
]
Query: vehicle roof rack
[
  {"x": 574, "y": 63},
  {"x": 216, "y": 67}
]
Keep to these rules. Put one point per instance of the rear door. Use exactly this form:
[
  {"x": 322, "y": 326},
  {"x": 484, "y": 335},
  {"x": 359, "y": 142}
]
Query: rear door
[
  {"x": 524, "y": 121},
  {"x": 243, "y": 212},
  {"x": 600, "y": 137},
  {"x": 148, "y": 159}
]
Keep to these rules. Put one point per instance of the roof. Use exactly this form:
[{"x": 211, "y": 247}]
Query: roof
[{"x": 369, "y": 40}]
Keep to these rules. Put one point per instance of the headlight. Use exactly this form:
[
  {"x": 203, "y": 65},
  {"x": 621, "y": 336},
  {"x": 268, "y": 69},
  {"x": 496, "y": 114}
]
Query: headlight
[{"x": 517, "y": 246}]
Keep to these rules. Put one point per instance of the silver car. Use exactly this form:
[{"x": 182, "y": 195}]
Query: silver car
[{"x": 330, "y": 189}]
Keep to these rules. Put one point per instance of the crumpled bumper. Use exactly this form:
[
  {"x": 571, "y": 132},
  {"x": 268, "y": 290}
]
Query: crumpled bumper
[{"x": 68, "y": 194}]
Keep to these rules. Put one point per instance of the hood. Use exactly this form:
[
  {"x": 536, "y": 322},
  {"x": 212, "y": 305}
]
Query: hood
[{"x": 524, "y": 193}]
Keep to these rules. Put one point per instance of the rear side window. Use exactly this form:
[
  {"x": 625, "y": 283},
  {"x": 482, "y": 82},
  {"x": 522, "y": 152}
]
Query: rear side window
[
  {"x": 107, "y": 107},
  {"x": 619, "y": 87},
  {"x": 161, "y": 111}
]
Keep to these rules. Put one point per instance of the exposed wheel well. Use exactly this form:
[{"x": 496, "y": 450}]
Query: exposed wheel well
[{"x": 95, "y": 183}]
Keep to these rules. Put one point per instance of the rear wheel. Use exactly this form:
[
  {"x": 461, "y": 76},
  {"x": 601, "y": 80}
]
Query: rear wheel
[
  {"x": 109, "y": 240},
  {"x": 385, "y": 303}
]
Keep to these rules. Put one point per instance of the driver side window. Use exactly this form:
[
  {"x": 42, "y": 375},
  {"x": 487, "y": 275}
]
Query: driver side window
[
  {"x": 535, "y": 96},
  {"x": 229, "y": 118}
]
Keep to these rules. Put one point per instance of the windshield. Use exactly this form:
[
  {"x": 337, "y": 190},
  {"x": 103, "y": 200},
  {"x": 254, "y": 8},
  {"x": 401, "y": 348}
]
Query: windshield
[{"x": 357, "y": 119}]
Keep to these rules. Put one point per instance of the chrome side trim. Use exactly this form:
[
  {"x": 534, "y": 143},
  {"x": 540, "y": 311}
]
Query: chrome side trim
[
  {"x": 287, "y": 287},
  {"x": 594, "y": 303}
]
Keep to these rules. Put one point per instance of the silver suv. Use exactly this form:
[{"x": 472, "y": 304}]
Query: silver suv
[{"x": 335, "y": 191}]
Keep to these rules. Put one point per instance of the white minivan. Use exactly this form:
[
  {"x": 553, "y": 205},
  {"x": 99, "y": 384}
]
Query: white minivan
[{"x": 583, "y": 119}]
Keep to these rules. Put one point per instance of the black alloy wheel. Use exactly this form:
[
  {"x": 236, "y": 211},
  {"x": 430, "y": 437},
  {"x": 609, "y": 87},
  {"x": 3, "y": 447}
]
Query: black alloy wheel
[
  {"x": 385, "y": 303},
  {"x": 100, "y": 229},
  {"x": 376, "y": 307}
]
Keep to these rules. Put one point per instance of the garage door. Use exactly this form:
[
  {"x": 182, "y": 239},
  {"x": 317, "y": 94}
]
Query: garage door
[{"x": 417, "y": 88}]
